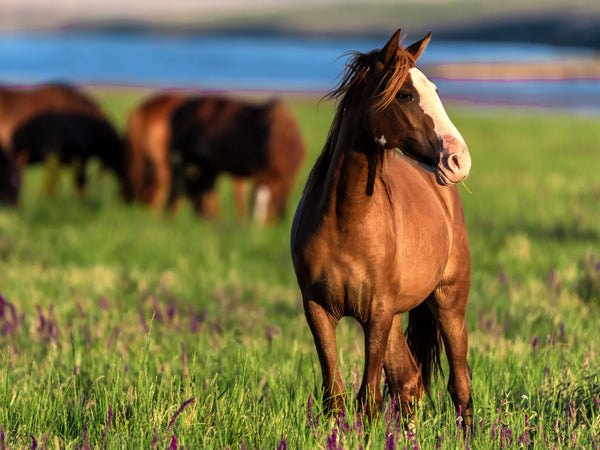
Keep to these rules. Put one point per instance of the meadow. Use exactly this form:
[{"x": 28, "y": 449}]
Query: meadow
[{"x": 126, "y": 328}]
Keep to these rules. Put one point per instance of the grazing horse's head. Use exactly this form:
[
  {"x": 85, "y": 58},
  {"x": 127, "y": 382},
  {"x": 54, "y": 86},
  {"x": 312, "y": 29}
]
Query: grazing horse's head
[{"x": 402, "y": 109}]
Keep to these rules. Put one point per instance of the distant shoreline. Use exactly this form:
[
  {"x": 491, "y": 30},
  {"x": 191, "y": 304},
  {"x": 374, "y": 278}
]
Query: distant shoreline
[{"x": 574, "y": 23}]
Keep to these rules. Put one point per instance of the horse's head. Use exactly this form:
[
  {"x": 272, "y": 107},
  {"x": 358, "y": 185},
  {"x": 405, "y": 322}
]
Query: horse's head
[{"x": 404, "y": 110}]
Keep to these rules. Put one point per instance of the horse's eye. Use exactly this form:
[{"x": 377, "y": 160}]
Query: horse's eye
[{"x": 405, "y": 96}]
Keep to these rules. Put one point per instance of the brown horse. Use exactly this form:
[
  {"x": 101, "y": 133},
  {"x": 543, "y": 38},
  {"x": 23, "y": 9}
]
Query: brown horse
[
  {"x": 57, "y": 120},
  {"x": 380, "y": 231},
  {"x": 179, "y": 144}
]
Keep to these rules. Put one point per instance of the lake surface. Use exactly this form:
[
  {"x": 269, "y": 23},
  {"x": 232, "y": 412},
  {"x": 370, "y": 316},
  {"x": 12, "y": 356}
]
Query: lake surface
[{"x": 239, "y": 62}]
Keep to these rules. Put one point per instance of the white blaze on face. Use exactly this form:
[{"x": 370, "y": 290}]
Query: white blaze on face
[{"x": 455, "y": 161}]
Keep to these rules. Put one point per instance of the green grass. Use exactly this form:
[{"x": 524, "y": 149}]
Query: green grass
[{"x": 131, "y": 329}]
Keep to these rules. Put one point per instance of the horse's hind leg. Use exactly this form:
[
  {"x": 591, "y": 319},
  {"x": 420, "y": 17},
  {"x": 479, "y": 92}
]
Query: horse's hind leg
[
  {"x": 450, "y": 312},
  {"x": 322, "y": 325},
  {"x": 401, "y": 370}
]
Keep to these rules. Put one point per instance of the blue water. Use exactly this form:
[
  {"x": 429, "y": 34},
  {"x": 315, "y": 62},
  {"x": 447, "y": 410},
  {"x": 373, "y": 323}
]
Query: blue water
[{"x": 264, "y": 63}]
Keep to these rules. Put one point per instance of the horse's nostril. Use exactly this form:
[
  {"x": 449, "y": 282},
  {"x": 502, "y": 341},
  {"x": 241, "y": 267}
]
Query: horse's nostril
[{"x": 455, "y": 161}]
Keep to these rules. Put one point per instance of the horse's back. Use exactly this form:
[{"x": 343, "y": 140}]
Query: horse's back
[
  {"x": 225, "y": 134},
  {"x": 150, "y": 123}
]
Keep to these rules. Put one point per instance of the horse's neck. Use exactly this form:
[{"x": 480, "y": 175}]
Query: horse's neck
[{"x": 345, "y": 187}]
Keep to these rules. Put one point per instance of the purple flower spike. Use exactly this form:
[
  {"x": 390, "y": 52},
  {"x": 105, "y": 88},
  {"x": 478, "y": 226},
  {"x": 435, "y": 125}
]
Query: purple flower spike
[
  {"x": 34, "y": 443},
  {"x": 502, "y": 278},
  {"x": 332, "y": 443},
  {"x": 282, "y": 444},
  {"x": 535, "y": 344},
  {"x": 107, "y": 426},
  {"x": 154, "y": 439},
  {"x": 389, "y": 443},
  {"x": 309, "y": 411},
  {"x": 103, "y": 303},
  {"x": 86, "y": 444},
  {"x": 173, "y": 445},
  {"x": 181, "y": 408}
]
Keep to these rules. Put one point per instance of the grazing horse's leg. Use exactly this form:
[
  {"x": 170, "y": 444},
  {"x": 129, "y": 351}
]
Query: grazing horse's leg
[
  {"x": 449, "y": 309},
  {"x": 161, "y": 184},
  {"x": 377, "y": 331},
  {"x": 322, "y": 324},
  {"x": 80, "y": 177},
  {"x": 240, "y": 196},
  {"x": 401, "y": 370},
  {"x": 51, "y": 173}
]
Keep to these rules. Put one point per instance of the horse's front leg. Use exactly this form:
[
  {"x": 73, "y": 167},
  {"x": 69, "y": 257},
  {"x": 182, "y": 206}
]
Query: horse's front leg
[
  {"x": 322, "y": 324},
  {"x": 377, "y": 331},
  {"x": 401, "y": 370}
]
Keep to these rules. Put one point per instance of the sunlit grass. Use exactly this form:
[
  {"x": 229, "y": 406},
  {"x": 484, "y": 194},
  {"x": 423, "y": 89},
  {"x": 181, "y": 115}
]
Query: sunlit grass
[{"x": 126, "y": 328}]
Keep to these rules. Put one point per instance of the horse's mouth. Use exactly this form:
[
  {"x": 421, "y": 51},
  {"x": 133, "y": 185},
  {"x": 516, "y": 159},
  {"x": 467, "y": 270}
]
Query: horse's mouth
[{"x": 441, "y": 178}]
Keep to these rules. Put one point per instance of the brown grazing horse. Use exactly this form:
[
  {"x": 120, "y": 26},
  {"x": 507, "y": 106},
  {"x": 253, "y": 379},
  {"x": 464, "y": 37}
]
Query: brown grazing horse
[
  {"x": 53, "y": 119},
  {"x": 178, "y": 144},
  {"x": 380, "y": 231}
]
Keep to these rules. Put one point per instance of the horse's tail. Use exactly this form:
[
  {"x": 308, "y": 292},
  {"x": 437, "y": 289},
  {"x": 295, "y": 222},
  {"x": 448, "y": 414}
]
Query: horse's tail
[{"x": 423, "y": 339}]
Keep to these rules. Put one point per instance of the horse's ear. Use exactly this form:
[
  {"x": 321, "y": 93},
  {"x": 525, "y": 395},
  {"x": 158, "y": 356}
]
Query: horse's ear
[
  {"x": 417, "y": 48},
  {"x": 390, "y": 48}
]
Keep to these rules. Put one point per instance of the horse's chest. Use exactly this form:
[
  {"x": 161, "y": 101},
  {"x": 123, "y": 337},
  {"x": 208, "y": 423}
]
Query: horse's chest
[{"x": 346, "y": 272}]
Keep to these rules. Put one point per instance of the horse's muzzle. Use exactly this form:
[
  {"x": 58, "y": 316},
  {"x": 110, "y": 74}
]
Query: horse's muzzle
[{"x": 453, "y": 167}]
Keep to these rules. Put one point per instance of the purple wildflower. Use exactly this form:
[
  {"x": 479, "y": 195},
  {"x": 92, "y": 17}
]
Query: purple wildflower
[
  {"x": 34, "y": 443},
  {"x": 170, "y": 309},
  {"x": 535, "y": 344},
  {"x": 107, "y": 426},
  {"x": 459, "y": 418},
  {"x": 502, "y": 278},
  {"x": 309, "y": 411},
  {"x": 173, "y": 445},
  {"x": 389, "y": 442},
  {"x": 103, "y": 303},
  {"x": 282, "y": 444},
  {"x": 571, "y": 412},
  {"x": 332, "y": 441},
  {"x": 358, "y": 425},
  {"x": 154, "y": 439},
  {"x": 86, "y": 444},
  {"x": 194, "y": 320},
  {"x": 181, "y": 408},
  {"x": 2, "y": 438}
]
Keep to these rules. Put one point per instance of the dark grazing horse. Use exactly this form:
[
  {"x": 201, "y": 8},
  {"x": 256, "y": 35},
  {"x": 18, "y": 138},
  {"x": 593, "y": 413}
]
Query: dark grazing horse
[
  {"x": 180, "y": 144},
  {"x": 380, "y": 231},
  {"x": 58, "y": 120}
]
